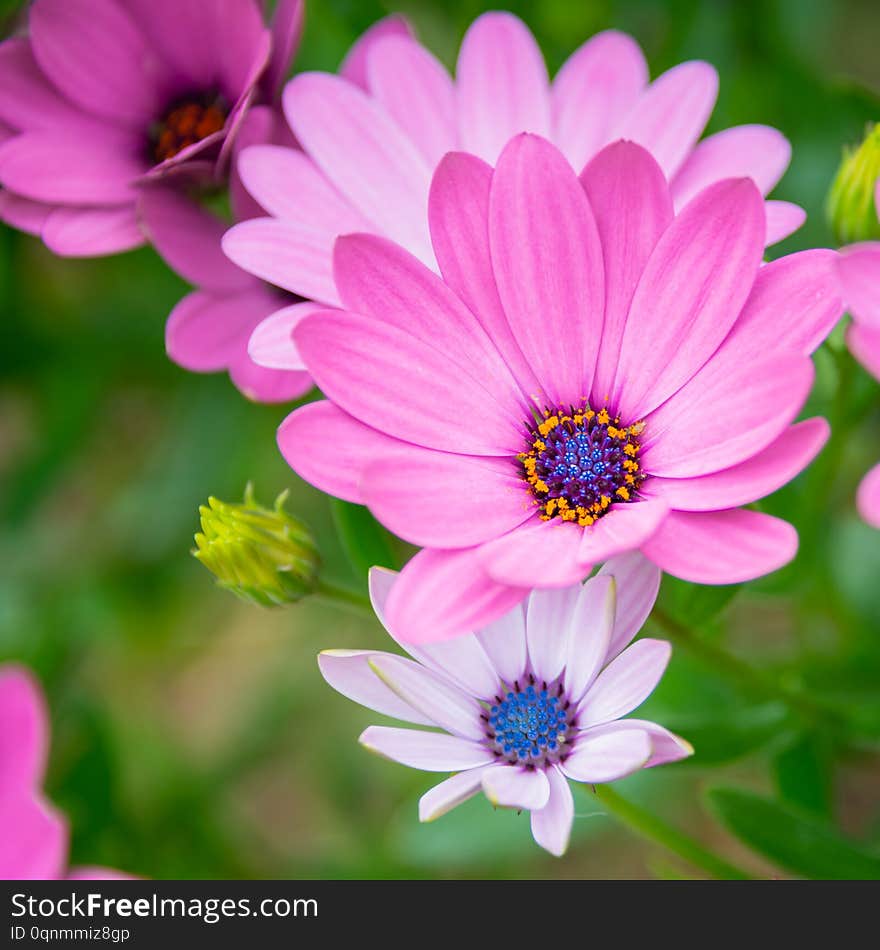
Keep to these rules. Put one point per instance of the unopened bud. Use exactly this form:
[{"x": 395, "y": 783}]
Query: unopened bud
[{"x": 852, "y": 207}]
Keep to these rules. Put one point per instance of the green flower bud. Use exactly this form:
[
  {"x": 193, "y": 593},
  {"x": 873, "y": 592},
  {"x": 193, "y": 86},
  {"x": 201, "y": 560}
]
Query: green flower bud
[
  {"x": 263, "y": 556},
  {"x": 852, "y": 212}
]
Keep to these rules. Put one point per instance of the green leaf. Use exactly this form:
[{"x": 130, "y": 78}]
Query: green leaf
[
  {"x": 365, "y": 542},
  {"x": 797, "y": 841},
  {"x": 694, "y": 604},
  {"x": 729, "y": 734},
  {"x": 803, "y": 774}
]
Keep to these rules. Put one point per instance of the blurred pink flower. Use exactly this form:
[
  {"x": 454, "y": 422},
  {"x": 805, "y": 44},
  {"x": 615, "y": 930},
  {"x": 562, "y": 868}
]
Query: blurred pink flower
[
  {"x": 33, "y": 835},
  {"x": 104, "y": 96},
  {"x": 369, "y": 153},
  {"x": 529, "y": 702},
  {"x": 594, "y": 375},
  {"x": 859, "y": 269}
]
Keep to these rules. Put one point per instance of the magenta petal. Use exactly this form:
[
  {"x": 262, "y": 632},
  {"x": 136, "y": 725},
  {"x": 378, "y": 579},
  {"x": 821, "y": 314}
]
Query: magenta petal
[
  {"x": 548, "y": 627},
  {"x": 551, "y": 825},
  {"x": 758, "y": 476},
  {"x": 864, "y": 343},
  {"x": 783, "y": 219},
  {"x": 606, "y": 758},
  {"x": 632, "y": 206},
  {"x": 354, "y": 66},
  {"x": 443, "y": 594},
  {"x": 868, "y": 498},
  {"x": 287, "y": 27},
  {"x": 625, "y": 528},
  {"x": 92, "y": 232},
  {"x": 625, "y": 683},
  {"x": 267, "y": 385},
  {"x": 23, "y": 214},
  {"x": 859, "y": 269},
  {"x": 722, "y": 547},
  {"x": 536, "y": 554},
  {"x": 671, "y": 113},
  {"x": 439, "y": 500},
  {"x": 502, "y": 85},
  {"x": 599, "y": 82},
  {"x": 428, "y": 751},
  {"x": 33, "y": 839},
  {"x": 24, "y": 731},
  {"x": 272, "y": 345},
  {"x": 453, "y": 791},
  {"x": 330, "y": 449},
  {"x": 638, "y": 583},
  {"x": 261, "y": 125},
  {"x": 547, "y": 260},
  {"x": 665, "y": 745},
  {"x": 27, "y": 99},
  {"x": 508, "y": 786},
  {"x": 690, "y": 293}
]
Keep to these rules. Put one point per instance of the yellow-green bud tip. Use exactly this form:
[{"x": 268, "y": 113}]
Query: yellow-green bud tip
[
  {"x": 262, "y": 555},
  {"x": 852, "y": 209}
]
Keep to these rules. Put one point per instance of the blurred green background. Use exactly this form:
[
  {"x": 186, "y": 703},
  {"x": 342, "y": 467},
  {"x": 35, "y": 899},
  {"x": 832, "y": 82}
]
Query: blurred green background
[{"x": 193, "y": 735}]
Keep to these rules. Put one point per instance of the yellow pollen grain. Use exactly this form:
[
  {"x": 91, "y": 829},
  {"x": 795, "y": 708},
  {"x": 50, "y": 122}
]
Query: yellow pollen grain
[
  {"x": 623, "y": 492},
  {"x": 603, "y": 417}
]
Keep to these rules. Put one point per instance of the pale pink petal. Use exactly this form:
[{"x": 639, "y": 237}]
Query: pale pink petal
[
  {"x": 504, "y": 640},
  {"x": 592, "y": 624},
  {"x": 665, "y": 745},
  {"x": 722, "y": 547},
  {"x": 24, "y": 731},
  {"x": 96, "y": 874},
  {"x": 671, "y": 113},
  {"x": 624, "y": 528},
  {"x": 727, "y": 413},
  {"x": 536, "y": 554},
  {"x": 758, "y": 476},
  {"x": 638, "y": 583},
  {"x": 428, "y": 751},
  {"x": 27, "y": 99},
  {"x": 22, "y": 213},
  {"x": 859, "y": 269},
  {"x": 449, "y": 793},
  {"x": 349, "y": 673},
  {"x": 271, "y": 344},
  {"x": 445, "y": 705},
  {"x": 551, "y": 825},
  {"x": 92, "y": 232},
  {"x": 632, "y": 207},
  {"x": 365, "y": 155},
  {"x": 597, "y": 84},
  {"x": 606, "y": 758},
  {"x": 864, "y": 343},
  {"x": 508, "y": 786},
  {"x": 548, "y": 629},
  {"x": 329, "y": 449},
  {"x": 287, "y": 27},
  {"x": 33, "y": 842},
  {"x": 758, "y": 152},
  {"x": 782, "y": 219},
  {"x": 547, "y": 260},
  {"x": 261, "y": 125},
  {"x": 690, "y": 293},
  {"x": 627, "y": 681},
  {"x": 417, "y": 92},
  {"x": 354, "y": 66},
  {"x": 501, "y": 85},
  {"x": 868, "y": 498},
  {"x": 444, "y": 594}
]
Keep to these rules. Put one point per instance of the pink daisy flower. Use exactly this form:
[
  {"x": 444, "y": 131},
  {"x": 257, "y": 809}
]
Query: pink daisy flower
[
  {"x": 534, "y": 699},
  {"x": 369, "y": 147},
  {"x": 209, "y": 329},
  {"x": 594, "y": 374},
  {"x": 104, "y": 96},
  {"x": 859, "y": 270},
  {"x": 33, "y": 836}
]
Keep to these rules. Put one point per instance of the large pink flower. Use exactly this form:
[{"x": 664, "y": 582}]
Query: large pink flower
[
  {"x": 859, "y": 269},
  {"x": 527, "y": 703},
  {"x": 33, "y": 836},
  {"x": 594, "y": 374},
  {"x": 369, "y": 153},
  {"x": 106, "y": 95}
]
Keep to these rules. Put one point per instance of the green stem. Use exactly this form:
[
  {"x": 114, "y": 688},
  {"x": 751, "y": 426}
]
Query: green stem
[
  {"x": 353, "y": 600},
  {"x": 653, "y": 829}
]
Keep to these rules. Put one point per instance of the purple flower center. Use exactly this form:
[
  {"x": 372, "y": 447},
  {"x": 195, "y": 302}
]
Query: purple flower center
[
  {"x": 186, "y": 122},
  {"x": 579, "y": 463},
  {"x": 530, "y": 725}
]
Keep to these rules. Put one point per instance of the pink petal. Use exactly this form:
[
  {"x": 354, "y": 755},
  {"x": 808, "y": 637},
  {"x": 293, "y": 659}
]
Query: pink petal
[
  {"x": 33, "y": 839},
  {"x": 365, "y": 155},
  {"x": 267, "y": 385},
  {"x": 349, "y": 673},
  {"x": 416, "y": 91},
  {"x": 24, "y": 731},
  {"x": 287, "y": 27},
  {"x": 551, "y": 825},
  {"x": 27, "y": 99},
  {"x": 625, "y": 683},
  {"x": 691, "y": 292},
  {"x": 726, "y": 414},
  {"x": 591, "y": 627},
  {"x": 428, "y": 751},
  {"x": 509, "y": 786},
  {"x": 638, "y": 583},
  {"x": 671, "y": 113},
  {"x": 632, "y": 207},
  {"x": 864, "y": 344},
  {"x": 758, "y": 476},
  {"x": 859, "y": 270},
  {"x": 96, "y": 55},
  {"x": 444, "y": 594},
  {"x": 548, "y": 628},
  {"x": 271, "y": 344},
  {"x": 665, "y": 745},
  {"x": 290, "y": 255},
  {"x": 536, "y": 554},
  {"x": 547, "y": 260},
  {"x": 722, "y": 547},
  {"x": 599, "y": 82},
  {"x": 606, "y": 758},
  {"x": 783, "y": 219},
  {"x": 96, "y": 874},
  {"x": 354, "y": 66},
  {"x": 625, "y": 528},
  {"x": 261, "y": 125},
  {"x": 502, "y": 85},
  {"x": 868, "y": 498},
  {"x": 92, "y": 232},
  {"x": 448, "y": 794},
  {"x": 504, "y": 641},
  {"x": 329, "y": 449},
  {"x": 23, "y": 214},
  {"x": 64, "y": 167},
  {"x": 433, "y": 696},
  {"x": 758, "y": 152}
]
